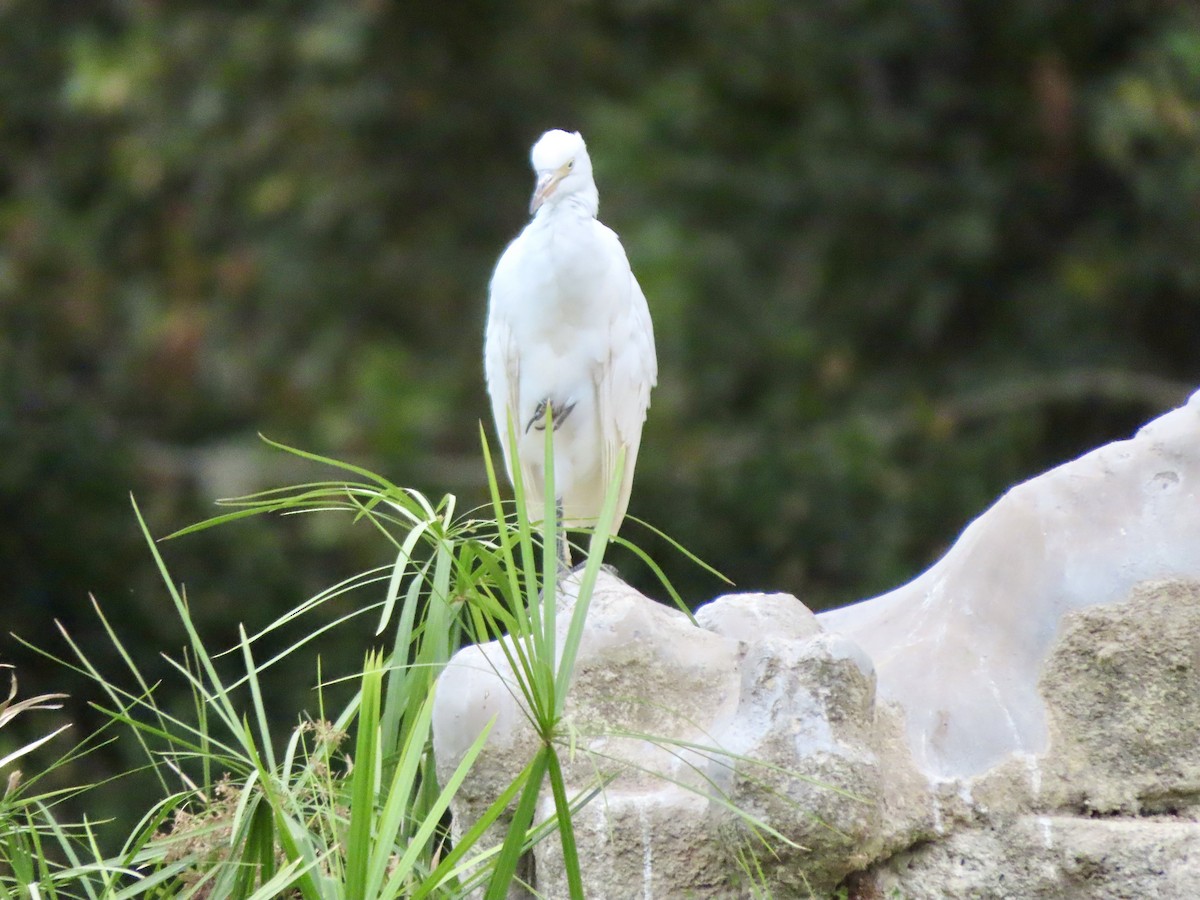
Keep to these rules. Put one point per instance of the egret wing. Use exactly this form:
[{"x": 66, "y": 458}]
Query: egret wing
[
  {"x": 501, "y": 356},
  {"x": 625, "y": 378}
]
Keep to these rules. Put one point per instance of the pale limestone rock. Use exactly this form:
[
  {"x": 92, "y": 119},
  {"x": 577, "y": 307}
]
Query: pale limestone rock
[
  {"x": 753, "y": 617},
  {"x": 1047, "y": 858},
  {"x": 1123, "y": 691},
  {"x": 642, "y": 843},
  {"x": 763, "y": 711},
  {"x": 949, "y": 739},
  {"x": 960, "y": 648}
]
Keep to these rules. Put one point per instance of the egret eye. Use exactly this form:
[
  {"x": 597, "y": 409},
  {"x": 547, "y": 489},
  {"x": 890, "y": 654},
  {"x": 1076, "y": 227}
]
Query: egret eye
[{"x": 571, "y": 164}]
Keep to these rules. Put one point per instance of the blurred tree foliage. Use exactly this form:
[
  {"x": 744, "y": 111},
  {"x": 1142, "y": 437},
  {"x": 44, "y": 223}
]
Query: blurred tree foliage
[{"x": 899, "y": 257}]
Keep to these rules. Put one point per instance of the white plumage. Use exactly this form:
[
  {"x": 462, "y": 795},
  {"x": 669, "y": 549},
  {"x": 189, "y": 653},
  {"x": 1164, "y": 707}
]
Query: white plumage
[{"x": 568, "y": 327}]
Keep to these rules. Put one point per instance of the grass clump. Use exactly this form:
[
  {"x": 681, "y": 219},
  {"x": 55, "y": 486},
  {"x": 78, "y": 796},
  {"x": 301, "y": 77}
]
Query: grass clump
[{"x": 345, "y": 803}]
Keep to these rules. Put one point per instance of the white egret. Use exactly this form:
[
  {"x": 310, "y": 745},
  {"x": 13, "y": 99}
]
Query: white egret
[{"x": 568, "y": 330}]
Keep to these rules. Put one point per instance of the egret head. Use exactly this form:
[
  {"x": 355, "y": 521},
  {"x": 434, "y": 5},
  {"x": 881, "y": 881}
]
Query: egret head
[{"x": 560, "y": 161}]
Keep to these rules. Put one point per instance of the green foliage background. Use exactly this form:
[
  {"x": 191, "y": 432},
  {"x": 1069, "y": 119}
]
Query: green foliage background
[{"x": 899, "y": 256}]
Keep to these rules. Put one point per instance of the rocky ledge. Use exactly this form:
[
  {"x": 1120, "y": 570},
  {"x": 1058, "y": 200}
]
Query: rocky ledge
[{"x": 1023, "y": 720}]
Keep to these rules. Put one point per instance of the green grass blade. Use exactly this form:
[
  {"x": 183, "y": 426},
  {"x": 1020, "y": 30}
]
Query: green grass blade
[
  {"x": 466, "y": 843},
  {"x": 587, "y": 583},
  {"x": 566, "y": 829},
  {"x": 224, "y": 707},
  {"x": 335, "y": 463},
  {"x": 679, "y": 548},
  {"x": 403, "y": 559},
  {"x": 260, "y": 711},
  {"x": 432, "y": 816},
  {"x": 514, "y": 841},
  {"x": 363, "y": 781},
  {"x": 391, "y": 824}
]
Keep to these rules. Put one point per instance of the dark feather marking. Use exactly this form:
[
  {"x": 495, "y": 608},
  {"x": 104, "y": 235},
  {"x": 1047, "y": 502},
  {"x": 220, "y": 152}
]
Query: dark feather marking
[{"x": 558, "y": 415}]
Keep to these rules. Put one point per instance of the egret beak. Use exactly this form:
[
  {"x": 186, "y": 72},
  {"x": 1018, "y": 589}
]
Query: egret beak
[{"x": 546, "y": 185}]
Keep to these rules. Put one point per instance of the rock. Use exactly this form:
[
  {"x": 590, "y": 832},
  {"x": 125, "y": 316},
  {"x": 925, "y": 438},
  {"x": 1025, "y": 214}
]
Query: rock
[
  {"x": 1121, "y": 688},
  {"x": 759, "y": 710},
  {"x": 636, "y": 673},
  {"x": 1046, "y": 858},
  {"x": 953, "y": 738},
  {"x": 753, "y": 617},
  {"x": 960, "y": 649},
  {"x": 1123, "y": 691},
  {"x": 636, "y": 844}
]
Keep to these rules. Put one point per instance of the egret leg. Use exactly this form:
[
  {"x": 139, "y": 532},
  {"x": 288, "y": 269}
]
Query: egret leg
[{"x": 564, "y": 547}]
